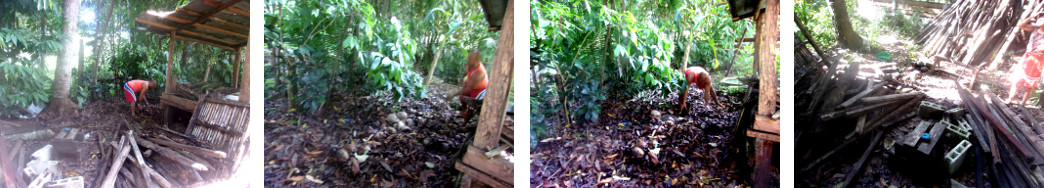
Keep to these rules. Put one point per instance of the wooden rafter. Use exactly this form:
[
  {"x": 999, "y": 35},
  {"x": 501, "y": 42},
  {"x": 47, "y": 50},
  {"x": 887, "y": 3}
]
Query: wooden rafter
[
  {"x": 202, "y": 18},
  {"x": 230, "y": 9},
  {"x": 171, "y": 28}
]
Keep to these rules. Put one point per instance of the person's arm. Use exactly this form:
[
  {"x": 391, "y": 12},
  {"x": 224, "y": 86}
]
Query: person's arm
[
  {"x": 134, "y": 108},
  {"x": 142, "y": 95},
  {"x": 713, "y": 95},
  {"x": 1025, "y": 24},
  {"x": 473, "y": 80}
]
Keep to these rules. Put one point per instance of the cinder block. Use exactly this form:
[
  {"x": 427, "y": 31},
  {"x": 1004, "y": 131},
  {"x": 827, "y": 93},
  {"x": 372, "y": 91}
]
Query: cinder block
[
  {"x": 73, "y": 182},
  {"x": 964, "y": 124},
  {"x": 955, "y": 157},
  {"x": 956, "y": 113},
  {"x": 930, "y": 110},
  {"x": 40, "y": 180},
  {"x": 956, "y": 131}
]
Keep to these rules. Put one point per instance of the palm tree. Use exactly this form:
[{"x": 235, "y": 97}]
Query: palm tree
[{"x": 60, "y": 102}]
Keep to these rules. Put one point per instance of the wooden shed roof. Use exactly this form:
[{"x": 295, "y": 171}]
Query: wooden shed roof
[{"x": 219, "y": 23}]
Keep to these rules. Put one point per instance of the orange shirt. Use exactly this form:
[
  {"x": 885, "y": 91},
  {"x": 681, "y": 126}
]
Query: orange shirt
[
  {"x": 481, "y": 86},
  {"x": 692, "y": 75},
  {"x": 137, "y": 85}
]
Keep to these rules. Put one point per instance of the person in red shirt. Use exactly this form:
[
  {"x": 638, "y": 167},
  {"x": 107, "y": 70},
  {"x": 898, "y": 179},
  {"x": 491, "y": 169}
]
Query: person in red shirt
[
  {"x": 475, "y": 82},
  {"x": 134, "y": 91},
  {"x": 702, "y": 79},
  {"x": 1026, "y": 75}
]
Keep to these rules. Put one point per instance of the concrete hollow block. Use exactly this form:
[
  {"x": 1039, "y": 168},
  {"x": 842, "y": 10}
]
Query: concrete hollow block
[
  {"x": 956, "y": 131},
  {"x": 72, "y": 182},
  {"x": 930, "y": 110},
  {"x": 955, "y": 157}
]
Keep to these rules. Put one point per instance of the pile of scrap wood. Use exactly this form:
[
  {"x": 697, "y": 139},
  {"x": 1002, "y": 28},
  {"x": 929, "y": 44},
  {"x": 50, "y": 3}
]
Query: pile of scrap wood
[
  {"x": 1011, "y": 137},
  {"x": 159, "y": 159},
  {"x": 973, "y": 31}
]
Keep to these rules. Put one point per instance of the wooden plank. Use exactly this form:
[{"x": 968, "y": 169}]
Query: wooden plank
[
  {"x": 232, "y": 9},
  {"x": 475, "y": 174},
  {"x": 912, "y": 137},
  {"x": 766, "y": 124},
  {"x": 913, "y": 3},
  {"x": 219, "y": 30},
  {"x": 178, "y": 102},
  {"x": 763, "y": 135},
  {"x": 244, "y": 89},
  {"x": 862, "y": 160},
  {"x": 204, "y": 16},
  {"x": 213, "y": 40},
  {"x": 497, "y": 168},
  {"x": 936, "y": 133},
  {"x": 137, "y": 155},
  {"x": 110, "y": 178},
  {"x": 193, "y": 149},
  {"x": 492, "y": 115},
  {"x": 173, "y": 155},
  {"x": 204, "y": 42}
]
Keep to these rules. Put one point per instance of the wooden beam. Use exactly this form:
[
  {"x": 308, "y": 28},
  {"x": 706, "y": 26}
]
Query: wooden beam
[
  {"x": 204, "y": 42},
  {"x": 493, "y": 111},
  {"x": 172, "y": 81},
  {"x": 239, "y": 11},
  {"x": 235, "y": 69},
  {"x": 763, "y": 135},
  {"x": 171, "y": 28},
  {"x": 178, "y": 102},
  {"x": 475, "y": 174},
  {"x": 193, "y": 149},
  {"x": 230, "y": 9},
  {"x": 498, "y": 168},
  {"x": 244, "y": 85},
  {"x": 219, "y": 30},
  {"x": 766, "y": 124},
  {"x": 767, "y": 34},
  {"x": 110, "y": 178},
  {"x": 203, "y": 17}
]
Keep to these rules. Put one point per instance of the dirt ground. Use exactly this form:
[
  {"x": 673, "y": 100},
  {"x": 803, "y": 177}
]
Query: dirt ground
[
  {"x": 303, "y": 149},
  {"x": 695, "y": 148},
  {"x": 97, "y": 120}
]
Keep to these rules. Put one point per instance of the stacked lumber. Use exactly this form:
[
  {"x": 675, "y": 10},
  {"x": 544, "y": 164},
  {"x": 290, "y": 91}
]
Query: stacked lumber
[
  {"x": 973, "y": 32},
  {"x": 158, "y": 160},
  {"x": 1013, "y": 139}
]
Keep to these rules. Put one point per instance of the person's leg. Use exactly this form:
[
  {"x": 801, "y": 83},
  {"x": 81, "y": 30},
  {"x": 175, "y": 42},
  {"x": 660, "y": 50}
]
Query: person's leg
[
  {"x": 1014, "y": 90},
  {"x": 134, "y": 108},
  {"x": 1025, "y": 96},
  {"x": 463, "y": 106}
]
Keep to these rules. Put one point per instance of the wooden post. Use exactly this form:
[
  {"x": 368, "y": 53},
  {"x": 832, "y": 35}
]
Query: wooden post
[
  {"x": 766, "y": 36},
  {"x": 244, "y": 89},
  {"x": 491, "y": 117},
  {"x": 172, "y": 80},
  {"x": 235, "y": 70}
]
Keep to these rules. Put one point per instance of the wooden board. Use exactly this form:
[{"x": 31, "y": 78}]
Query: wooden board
[
  {"x": 937, "y": 131},
  {"x": 497, "y": 168},
  {"x": 178, "y": 102}
]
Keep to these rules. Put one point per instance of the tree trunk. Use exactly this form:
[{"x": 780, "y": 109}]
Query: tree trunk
[
  {"x": 60, "y": 102},
  {"x": 99, "y": 41},
  {"x": 434, "y": 62},
  {"x": 843, "y": 25}
]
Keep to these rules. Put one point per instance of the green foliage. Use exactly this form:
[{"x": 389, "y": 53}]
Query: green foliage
[
  {"x": 316, "y": 48},
  {"x": 599, "y": 50},
  {"x": 818, "y": 17},
  {"x": 21, "y": 86}
]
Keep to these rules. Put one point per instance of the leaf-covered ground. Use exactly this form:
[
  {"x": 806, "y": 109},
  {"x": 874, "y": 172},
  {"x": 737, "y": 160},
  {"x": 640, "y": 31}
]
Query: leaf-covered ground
[
  {"x": 695, "y": 148},
  {"x": 351, "y": 144}
]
